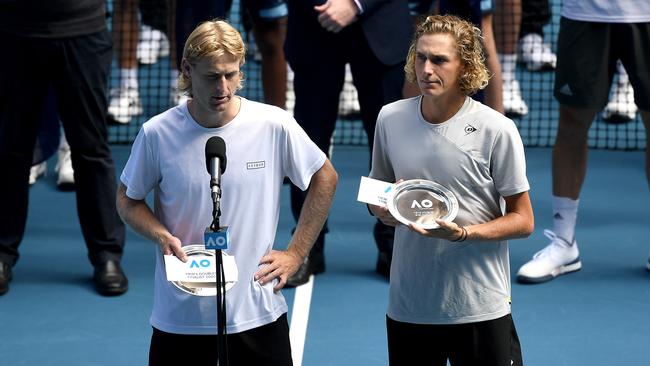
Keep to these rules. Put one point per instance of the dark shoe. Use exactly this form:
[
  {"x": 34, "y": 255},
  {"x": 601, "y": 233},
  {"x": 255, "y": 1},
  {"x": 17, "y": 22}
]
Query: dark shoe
[
  {"x": 110, "y": 279},
  {"x": 311, "y": 265},
  {"x": 5, "y": 277},
  {"x": 383, "y": 264}
]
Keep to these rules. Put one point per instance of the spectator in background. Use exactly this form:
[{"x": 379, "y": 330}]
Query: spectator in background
[
  {"x": 593, "y": 36},
  {"x": 66, "y": 45},
  {"x": 322, "y": 37}
]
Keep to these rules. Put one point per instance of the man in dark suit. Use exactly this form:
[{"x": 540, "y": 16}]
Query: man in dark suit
[{"x": 322, "y": 37}]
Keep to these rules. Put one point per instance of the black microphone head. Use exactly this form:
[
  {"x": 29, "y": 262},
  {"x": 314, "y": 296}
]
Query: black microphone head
[{"x": 215, "y": 148}]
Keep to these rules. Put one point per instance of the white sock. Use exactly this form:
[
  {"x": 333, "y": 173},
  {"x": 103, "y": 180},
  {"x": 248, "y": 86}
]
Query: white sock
[
  {"x": 508, "y": 65},
  {"x": 565, "y": 213},
  {"x": 129, "y": 78}
]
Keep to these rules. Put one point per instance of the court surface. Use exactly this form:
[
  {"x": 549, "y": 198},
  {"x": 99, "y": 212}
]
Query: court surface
[{"x": 597, "y": 316}]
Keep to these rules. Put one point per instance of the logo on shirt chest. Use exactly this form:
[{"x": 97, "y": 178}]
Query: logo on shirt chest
[
  {"x": 469, "y": 129},
  {"x": 255, "y": 165}
]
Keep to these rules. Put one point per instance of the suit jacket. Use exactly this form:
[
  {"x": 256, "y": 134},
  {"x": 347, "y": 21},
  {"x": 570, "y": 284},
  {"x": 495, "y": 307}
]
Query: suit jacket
[{"x": 384, "y": 24}]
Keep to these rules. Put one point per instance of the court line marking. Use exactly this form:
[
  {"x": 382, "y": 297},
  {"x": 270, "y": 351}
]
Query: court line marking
[{"x": 300, "y": 319}]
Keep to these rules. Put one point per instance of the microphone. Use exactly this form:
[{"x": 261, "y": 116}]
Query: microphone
[
  {"x": 216, "y": 237},
  {"x": 215, "y": 160}
]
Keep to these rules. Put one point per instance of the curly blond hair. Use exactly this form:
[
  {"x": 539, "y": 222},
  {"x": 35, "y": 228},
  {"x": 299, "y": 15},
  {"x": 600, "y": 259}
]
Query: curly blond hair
[
  {"x": 213, "y": 38},
  {"x": 469, "y": 43}
]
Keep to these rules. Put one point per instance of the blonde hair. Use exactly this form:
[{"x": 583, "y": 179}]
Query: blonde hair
[
  {"x": 469, "y": 43},
  {"x": 213, "y": 38}
]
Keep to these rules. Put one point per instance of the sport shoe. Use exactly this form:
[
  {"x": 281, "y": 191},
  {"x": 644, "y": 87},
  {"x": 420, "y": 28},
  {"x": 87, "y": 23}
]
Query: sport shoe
[
  {"x": 557, "y": 258},
  {"x": 152, "y": 45},
  {"x": 621, "y": 107},
  {"x": 124, "y": 104},
  {"x": 535, "y": 54},
  {"x": 65, "y": 180},
  {"x": 513, "y": 103},
  {"x": 36, "y": 171}
]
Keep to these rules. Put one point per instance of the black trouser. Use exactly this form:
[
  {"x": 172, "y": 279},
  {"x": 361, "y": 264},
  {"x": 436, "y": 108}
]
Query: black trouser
[
  {"x": 535, "y": 14},
  {"x": 317, "y": 87},
  {"x": 154, "y": 13},
  {"x": 77, "y": 68},
  {"x": 267, "y": 345},
  {"x": 488, "y": 343}
]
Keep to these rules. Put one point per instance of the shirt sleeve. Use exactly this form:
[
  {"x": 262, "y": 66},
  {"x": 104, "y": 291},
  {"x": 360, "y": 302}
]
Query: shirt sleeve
[
  {"x": 141, "y": 172},
  {"x": 302, "y": 158},
  {"x": 508, "y": 162},
  {"x": 381, "y": 168}
]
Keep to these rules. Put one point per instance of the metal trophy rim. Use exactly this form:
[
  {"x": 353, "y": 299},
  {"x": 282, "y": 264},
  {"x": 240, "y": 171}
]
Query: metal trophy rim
[
  {"x": 448, "y": 198},
  {"x": 200, "y": 288}
]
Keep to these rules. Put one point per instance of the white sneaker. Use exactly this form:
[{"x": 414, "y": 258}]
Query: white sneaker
[
  {"x": 152, "y": 45},
  {"x": 349, "y": 99},
  {"x": 513, "y": 103},
  {"x": 621, "y": 107},
  {"x": 535, "y": 54},
  {"x": 65, "y": 180},
  {"x": 124, "y": 104},
  {"x": 557, "y": 258},
  {"x": 36, "y": 171}
]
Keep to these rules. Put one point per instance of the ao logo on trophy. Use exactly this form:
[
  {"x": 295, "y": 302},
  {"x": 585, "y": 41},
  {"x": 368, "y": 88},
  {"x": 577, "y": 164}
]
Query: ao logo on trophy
[
  {"x": 422, "y": 204},
  {"x": 203, "y": 263}
]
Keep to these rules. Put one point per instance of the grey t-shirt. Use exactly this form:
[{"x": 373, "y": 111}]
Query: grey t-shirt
[{"x": 478, "y": 155}]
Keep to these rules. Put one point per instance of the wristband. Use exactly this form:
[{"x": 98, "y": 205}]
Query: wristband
[{"x": 462, "y": 237}]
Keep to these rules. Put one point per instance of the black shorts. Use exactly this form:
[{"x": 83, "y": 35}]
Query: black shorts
[
  {"x": 586, "y": 62},
  {"x": 267, "y": 345},
  {"x": 266, "y": 10},
  {"x": 489, "y": 343}
]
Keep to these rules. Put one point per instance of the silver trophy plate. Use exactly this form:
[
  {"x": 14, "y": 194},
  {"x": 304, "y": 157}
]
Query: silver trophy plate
[
  {"x": 200, "y": 288},
  {"x": 421, "y": 202}
]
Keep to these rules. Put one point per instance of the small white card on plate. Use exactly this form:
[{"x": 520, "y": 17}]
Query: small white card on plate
[{"x": 374, "y": 192}]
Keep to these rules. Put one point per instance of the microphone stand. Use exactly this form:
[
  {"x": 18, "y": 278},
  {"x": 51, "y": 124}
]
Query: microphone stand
[{"x": 222, "y": 341}]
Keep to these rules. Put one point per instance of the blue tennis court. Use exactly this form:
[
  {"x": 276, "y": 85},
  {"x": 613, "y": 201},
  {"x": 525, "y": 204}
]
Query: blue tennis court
[{"x": 597, "y": 316}]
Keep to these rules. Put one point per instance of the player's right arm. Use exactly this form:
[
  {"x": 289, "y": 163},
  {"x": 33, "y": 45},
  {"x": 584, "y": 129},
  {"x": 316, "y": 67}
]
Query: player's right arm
[{"x": 138, "y": 215}]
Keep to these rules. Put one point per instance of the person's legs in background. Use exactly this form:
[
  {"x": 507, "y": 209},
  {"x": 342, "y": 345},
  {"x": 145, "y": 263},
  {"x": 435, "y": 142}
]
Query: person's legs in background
[
  {"x": 269, "y": 20},
  {"x": 124, "y": 100},
  {"x": 377, "y": 85},
  {"x": 26, "y": 77},
  {"x": 533, "y": 52},
  {"x": 317, "y": 90},
  {"x": 507, "y": 21},
  {"x": 80, "y": 86}
]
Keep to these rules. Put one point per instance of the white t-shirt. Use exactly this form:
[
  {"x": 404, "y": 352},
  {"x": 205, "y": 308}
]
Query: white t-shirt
[
  {"x": 479, "y": 156},
  {"x": 263, "y": 145},
  {"x": 607, "y": 11}
]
